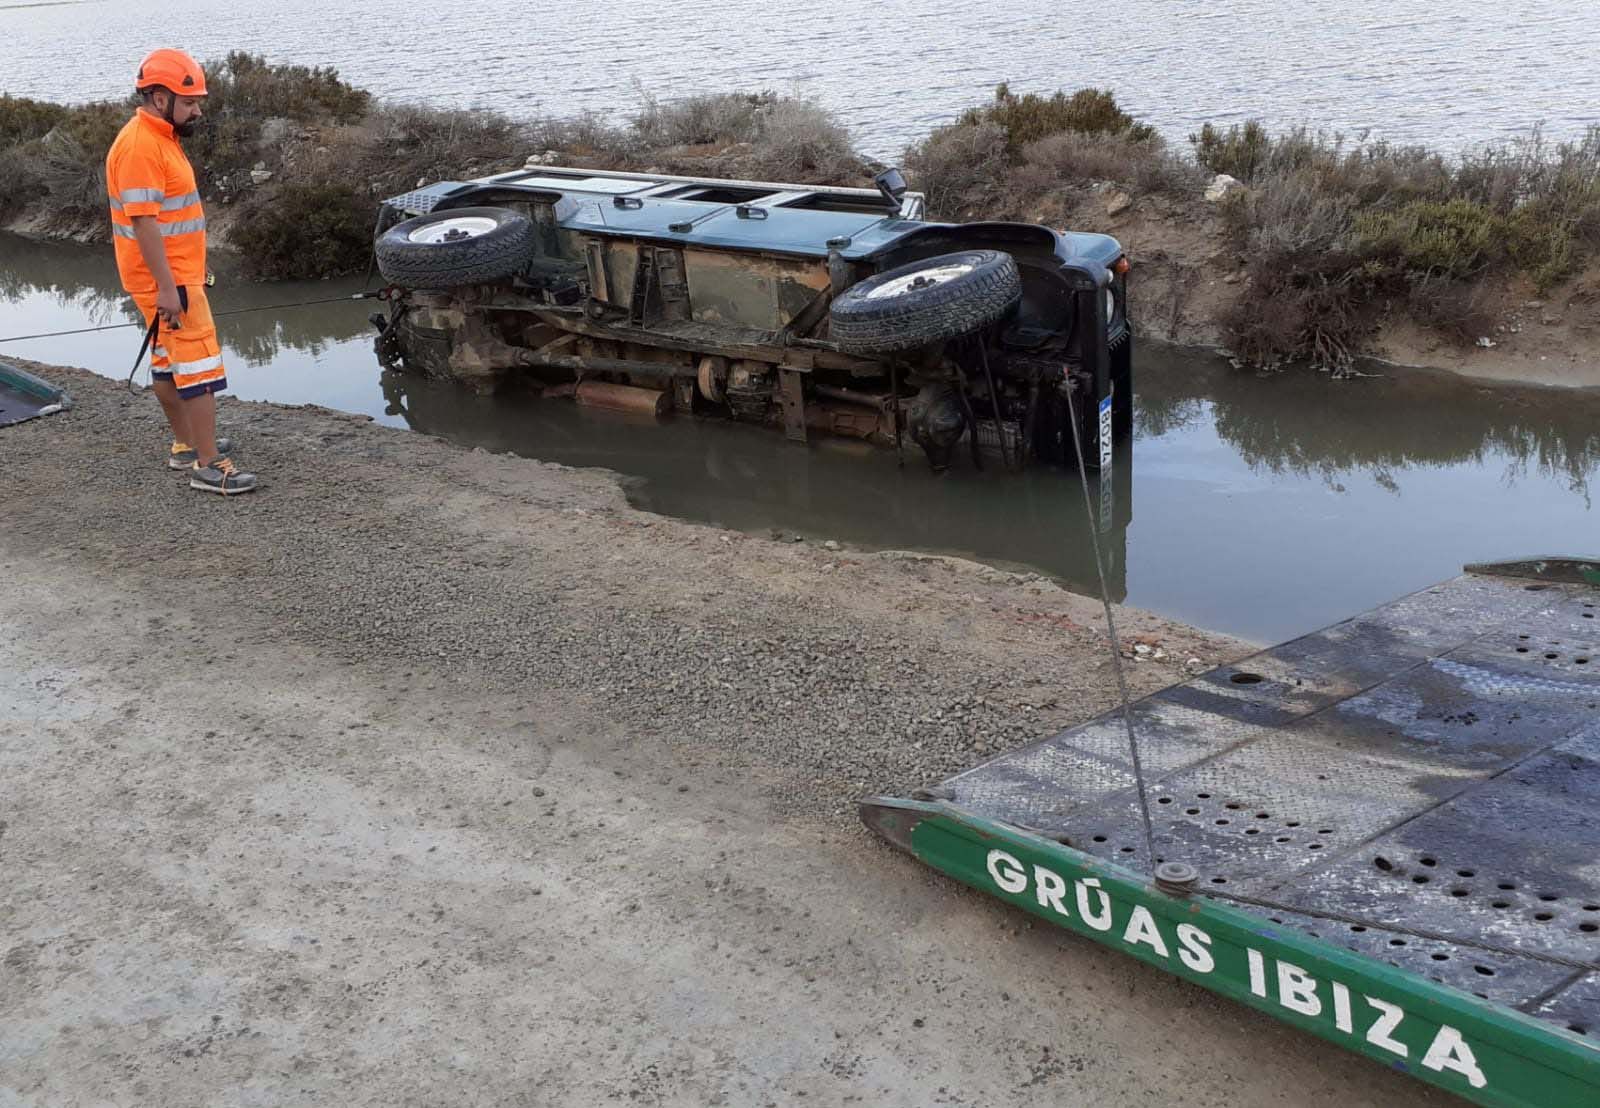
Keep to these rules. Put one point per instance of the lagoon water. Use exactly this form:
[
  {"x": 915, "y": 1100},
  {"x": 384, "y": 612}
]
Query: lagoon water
[
  {"x": 1452, "y": 73},
  {"x": 1264, "y": 507}
]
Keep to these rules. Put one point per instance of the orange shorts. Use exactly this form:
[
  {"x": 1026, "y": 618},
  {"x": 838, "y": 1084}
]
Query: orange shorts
[{"x": 189, "y": 357}]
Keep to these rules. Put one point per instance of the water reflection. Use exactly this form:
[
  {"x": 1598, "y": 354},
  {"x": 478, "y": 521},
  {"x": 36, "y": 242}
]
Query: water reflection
[
  {"x": 753, "y": 480},
  {"x": 1301, "y": 424}
]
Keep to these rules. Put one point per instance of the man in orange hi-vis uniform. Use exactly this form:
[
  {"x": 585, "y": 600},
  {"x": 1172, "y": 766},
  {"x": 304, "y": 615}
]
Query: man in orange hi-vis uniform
[{"x": 159, "y": 230}]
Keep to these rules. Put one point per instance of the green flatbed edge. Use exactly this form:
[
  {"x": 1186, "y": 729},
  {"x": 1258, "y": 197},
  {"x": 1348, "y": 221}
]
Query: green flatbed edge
[{"x": 1480, "y": 1050}]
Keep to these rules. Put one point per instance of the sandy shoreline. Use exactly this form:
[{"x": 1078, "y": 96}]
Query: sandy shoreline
[{"x": 431, "y": 776}]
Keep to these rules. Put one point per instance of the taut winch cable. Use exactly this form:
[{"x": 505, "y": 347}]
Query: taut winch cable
[{"x": 1111, "y": 627}]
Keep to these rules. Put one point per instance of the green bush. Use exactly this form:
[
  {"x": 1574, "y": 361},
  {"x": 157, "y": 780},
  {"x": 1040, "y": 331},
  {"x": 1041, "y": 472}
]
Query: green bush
[
  {"x": 1455, "y": 239},
  {"x": 1028, "y": 118},
  {"x": 305, "y": 231},
  {"x": 1240, "y": 151}
]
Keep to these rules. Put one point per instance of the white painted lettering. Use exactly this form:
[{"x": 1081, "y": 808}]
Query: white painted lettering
[
  {"x": 1297, "y": 990},
  {"x": 1049, "y": 887},
  {"x": 1449, "y": 1051},
  {"x": 1381, "y": 1033},
  {"x": 1258, "y": 971},
  {"x": 1341, "y": 1009},
  {"x": 1007, "y": 872},
  {"x": 1101, "y": 920},
  {"x": 1142, "y": 929},
  {"x": 1196, "y": 952}
]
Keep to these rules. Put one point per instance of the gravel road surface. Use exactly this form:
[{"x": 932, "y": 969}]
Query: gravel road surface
[{"x": 425, "y": 776}]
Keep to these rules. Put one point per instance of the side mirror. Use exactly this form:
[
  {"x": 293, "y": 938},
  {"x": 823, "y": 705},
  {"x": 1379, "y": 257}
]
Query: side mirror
[{"x": 893, "y": 186}]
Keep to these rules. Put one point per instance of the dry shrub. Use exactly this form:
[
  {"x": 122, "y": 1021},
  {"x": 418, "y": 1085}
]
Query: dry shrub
[
  {"x": 962, "y": 168},
  {"x": 1144, "y": 165},
  {"x": 711, "y": 119},
  {"x": 586, "y": 138},
  {"x": 24, "y": 180},
  {"x": 764, "y": 135},
  {"x": 245, "y": 84},
  {"x": 1462, "y": 311},
  {"x": 23, "y": 120},
  {"x": 405, "y": 142},
  {"x": 798, "y": 140},
  {"x": 1015, "y": 153},
  {"x": 1338, "y": 233},
  {"x": 74, "y": 177}
]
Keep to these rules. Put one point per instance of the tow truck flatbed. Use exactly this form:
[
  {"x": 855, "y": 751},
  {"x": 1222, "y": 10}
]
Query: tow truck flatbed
[{"x": 1391, "y": 831}]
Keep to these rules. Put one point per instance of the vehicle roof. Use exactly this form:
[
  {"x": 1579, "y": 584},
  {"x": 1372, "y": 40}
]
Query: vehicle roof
[{"x": 782, "y": 217}]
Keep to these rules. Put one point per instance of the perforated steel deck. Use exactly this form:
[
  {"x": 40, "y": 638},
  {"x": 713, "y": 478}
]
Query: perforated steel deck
[{"x": 1433, "y": 764}]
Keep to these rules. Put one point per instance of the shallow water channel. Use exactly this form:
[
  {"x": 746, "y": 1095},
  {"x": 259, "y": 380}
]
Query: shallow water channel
[{"x": 1262, "y": 507}]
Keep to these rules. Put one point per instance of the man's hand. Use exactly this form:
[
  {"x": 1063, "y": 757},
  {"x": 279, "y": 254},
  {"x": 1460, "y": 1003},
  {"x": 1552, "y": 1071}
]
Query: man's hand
[
  {"x": 148, "y": 235},
  {"x": 169, "y": 308}
]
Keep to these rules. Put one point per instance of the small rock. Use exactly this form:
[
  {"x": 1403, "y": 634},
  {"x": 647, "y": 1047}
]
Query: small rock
[
  {"x": 261, "y": 176},
  {"x": 830, "y": 545},
  {"x": 1117, "y": 202},
  {"x": 1221, "y": 187},
  {"x": 1487, "y": 343},
  {"x": 1141, "y": 649}
]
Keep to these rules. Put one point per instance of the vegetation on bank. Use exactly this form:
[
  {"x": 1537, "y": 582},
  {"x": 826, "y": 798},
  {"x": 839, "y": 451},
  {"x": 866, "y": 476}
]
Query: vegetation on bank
[
  {"x": 1334, "y": 236},
  {"x": 294, "y": 159}
]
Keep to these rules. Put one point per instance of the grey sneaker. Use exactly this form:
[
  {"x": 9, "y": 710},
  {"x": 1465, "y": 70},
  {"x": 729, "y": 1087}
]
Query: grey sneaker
[
  {"x": 183, "y": 456},
  {"x": 221, "y": 476}
]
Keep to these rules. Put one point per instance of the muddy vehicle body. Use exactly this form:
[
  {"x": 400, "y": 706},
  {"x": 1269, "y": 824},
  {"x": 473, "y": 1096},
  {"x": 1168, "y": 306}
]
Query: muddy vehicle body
[{"x": 811, "y": 310}]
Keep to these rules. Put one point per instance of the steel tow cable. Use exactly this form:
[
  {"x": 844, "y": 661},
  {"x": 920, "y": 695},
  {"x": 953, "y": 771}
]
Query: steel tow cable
[
  {"x": 1111, "y": 627},
  {"x": 1144, "y": 803}
]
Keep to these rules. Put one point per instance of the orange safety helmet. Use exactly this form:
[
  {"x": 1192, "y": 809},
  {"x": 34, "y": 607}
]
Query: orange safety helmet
[{"x": 174, "y": 70}]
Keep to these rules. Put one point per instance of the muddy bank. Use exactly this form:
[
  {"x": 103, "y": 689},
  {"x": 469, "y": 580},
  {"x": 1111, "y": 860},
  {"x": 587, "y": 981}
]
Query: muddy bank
[
  {"x": 1189, "y": 274},
  {"x": 427, "y": 775}
]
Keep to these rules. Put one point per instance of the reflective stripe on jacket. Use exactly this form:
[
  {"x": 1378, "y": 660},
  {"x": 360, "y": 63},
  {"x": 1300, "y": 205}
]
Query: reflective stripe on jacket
[{"x": 147, "y": 173}]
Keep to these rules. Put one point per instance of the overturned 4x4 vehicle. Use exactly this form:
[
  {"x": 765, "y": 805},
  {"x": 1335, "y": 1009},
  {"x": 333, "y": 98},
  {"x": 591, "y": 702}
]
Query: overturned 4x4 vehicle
[{"x": 815, "y": 310}]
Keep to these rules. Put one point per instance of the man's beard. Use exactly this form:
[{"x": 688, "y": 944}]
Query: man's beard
[{"x": 186, "y": 129}]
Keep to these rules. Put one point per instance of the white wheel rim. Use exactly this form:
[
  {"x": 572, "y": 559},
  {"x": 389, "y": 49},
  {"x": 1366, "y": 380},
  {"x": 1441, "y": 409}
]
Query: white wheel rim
[
  {"x": 453, "y": 230},
  {"x": 921, "y": 279}
]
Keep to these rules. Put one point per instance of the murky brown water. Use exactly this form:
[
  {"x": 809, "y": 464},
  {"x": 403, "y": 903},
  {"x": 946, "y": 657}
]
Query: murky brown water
[
  {"x": 1450, "y": 73},
  {"x": 1261, "y": 507}
]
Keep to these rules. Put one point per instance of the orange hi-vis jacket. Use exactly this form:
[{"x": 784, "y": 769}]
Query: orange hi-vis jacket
[{"x": 147, "y": 173}]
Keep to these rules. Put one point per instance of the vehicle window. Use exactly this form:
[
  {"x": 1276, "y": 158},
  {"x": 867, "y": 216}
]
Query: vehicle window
[
  {"x": 718, "y": 195},
  {"x": 829, "y": 202}
]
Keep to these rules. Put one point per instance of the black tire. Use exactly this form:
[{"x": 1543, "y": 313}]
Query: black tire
[
  {"x": 987, "y": 288},
  {"x": 495, "y": 253}
]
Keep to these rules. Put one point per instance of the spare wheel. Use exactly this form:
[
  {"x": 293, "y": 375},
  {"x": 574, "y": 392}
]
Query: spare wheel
[
  {"x": 924, "y": 302},
  {"x": 458, "y": 246}
]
